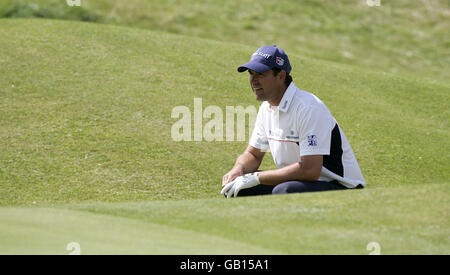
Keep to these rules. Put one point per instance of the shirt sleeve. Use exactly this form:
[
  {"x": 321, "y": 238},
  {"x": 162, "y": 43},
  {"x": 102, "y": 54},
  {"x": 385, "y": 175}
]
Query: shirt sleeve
[
  {"x": 316, "y": 124},
  {"x": 259, "y": 137}
]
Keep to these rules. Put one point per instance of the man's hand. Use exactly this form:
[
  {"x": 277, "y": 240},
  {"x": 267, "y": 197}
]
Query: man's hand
[
  {"x": 241, "y": 182},
  {"x": 230, "y": 176},
  {"x": 248, "y": 161}
]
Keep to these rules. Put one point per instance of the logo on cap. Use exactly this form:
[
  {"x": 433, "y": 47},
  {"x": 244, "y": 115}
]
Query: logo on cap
[
  {"x": 265, "y": 55},
  {"x": 279, "y": 61}
]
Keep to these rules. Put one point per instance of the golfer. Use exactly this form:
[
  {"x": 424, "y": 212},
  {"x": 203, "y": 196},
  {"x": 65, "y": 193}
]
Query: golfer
[{"x": 308, "y": 146}]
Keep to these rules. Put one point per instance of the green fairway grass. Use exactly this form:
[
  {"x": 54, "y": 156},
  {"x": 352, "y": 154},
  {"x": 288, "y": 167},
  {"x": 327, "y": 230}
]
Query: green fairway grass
[
  {"x": 85, "y": 142},
  {"x": 402, "y": 220},
  {"x": 50, "y": 231}
]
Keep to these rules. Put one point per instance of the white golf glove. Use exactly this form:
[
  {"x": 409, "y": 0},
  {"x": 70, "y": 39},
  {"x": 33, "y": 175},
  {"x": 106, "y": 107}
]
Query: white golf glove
[{"x": 239, "y": 183}]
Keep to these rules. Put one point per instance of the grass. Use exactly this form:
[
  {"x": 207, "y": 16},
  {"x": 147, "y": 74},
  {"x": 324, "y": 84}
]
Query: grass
[
  {"x": 315, "y": 223},
  {"x": 333, "y": 222},
  {"x": 50, "y": 231},
  {"x": 85, "y": 142},
  {"x": 402, "y": 37},
  {"x": 94, "y": 114},
  {"x": 45, "y": 9}
]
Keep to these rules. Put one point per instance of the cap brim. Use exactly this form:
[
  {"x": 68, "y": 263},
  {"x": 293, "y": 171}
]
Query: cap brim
[{"x": 254, "y": 66}]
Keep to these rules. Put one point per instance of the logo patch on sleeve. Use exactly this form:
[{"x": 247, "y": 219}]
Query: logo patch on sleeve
[{"x": 312, "y": 140}]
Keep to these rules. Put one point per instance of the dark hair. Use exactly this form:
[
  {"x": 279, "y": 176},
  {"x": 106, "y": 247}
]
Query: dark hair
[{"x": 288, "y": 79}]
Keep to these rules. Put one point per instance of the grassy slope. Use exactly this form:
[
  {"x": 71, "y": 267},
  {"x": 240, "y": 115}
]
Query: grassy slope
[
  {"x": 402, "y": 221},
  {"x": 49, "y": 231},
  {"x": 85, "y": 116},
  {"x": 332, "y": 222},
  {"x": 402, "y": 36}
]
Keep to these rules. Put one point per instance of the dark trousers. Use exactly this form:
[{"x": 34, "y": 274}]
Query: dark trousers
[{"x": 292, "y": 187}]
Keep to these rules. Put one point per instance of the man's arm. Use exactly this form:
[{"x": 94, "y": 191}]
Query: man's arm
[
  {"x": 308, "y": 169},
  {"x": 247, "y": 162}
]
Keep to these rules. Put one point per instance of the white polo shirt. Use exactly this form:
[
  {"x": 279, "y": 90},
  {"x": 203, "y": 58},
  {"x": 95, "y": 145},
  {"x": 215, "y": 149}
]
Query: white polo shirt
[{"x": 302, "y": 125}]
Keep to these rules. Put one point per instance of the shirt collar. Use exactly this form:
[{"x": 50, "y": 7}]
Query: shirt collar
[{"x": 287, "y": 98}]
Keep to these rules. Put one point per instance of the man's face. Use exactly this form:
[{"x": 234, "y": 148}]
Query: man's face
[{"x": 265, "y": 85}]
